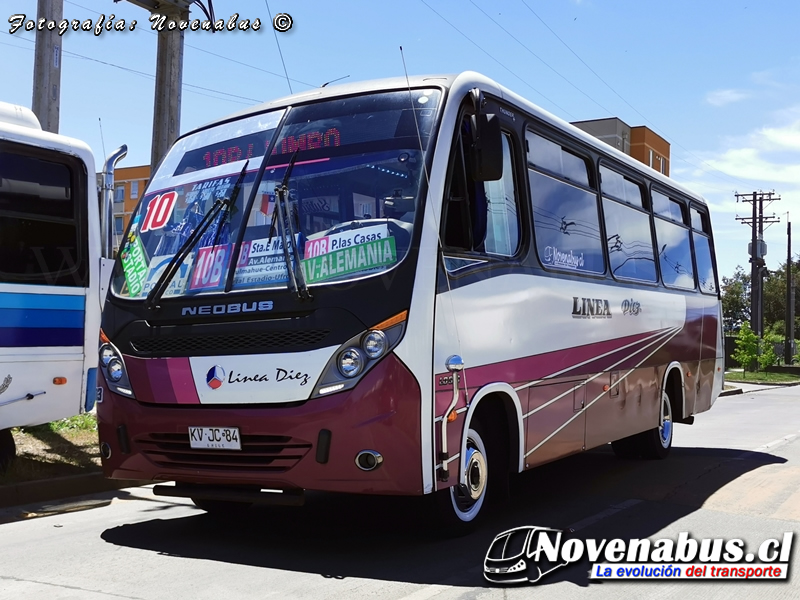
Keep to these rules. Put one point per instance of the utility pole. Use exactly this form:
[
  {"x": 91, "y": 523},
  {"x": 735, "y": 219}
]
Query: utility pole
[
  {"x": 788, "y": 344},
  {"x": 46, "y": 102},
  {"x": 169, "y": 87},
  {"x": 757, "y": 250},
  {"x": 169, "y": 73}
]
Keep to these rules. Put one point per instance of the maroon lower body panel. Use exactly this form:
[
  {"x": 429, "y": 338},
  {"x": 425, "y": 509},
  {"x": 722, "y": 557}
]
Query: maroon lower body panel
[{"x": 279, "y": 445}]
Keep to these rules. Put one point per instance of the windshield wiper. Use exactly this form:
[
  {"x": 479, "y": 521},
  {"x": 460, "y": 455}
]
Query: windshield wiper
[
  {"x": 151, "y": 302},
  {"x": 282, "y": 205}
]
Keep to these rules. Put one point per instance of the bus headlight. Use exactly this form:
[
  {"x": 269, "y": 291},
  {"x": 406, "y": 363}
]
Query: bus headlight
[
  {"x": 115, "y": 370},
  {"x": 113, "y": 367},
  {"x": 106, "y": 354},
  {"x": 351, "y": 362},
  {"x": 358, "y": 355},
  {"x": 374, "y": 344}
]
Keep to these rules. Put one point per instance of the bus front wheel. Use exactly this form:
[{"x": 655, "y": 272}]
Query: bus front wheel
[
  {"x": 459, "y": 506},
  {"x": 8, "y": 450}
]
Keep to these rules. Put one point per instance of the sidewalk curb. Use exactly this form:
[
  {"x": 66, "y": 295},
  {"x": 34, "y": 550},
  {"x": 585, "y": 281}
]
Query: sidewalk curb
[
  {"x": 59, "y": 488},
  {"x": 733, "y": 392}
]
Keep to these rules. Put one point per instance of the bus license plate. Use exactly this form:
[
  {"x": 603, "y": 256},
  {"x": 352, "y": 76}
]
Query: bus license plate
[{"x": 225, "y": 438}]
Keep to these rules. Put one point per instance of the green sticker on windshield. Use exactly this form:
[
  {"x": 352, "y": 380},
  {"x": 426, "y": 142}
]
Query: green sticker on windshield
[
  {"x": 363, "y": 257},
  {"x": 134, "y": 264}
]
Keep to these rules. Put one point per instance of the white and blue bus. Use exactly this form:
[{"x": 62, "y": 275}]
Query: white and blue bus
[{"x": 50, "y": 293}]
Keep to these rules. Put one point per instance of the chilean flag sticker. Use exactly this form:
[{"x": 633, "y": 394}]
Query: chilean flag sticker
[{"x": 215, "y": 377}]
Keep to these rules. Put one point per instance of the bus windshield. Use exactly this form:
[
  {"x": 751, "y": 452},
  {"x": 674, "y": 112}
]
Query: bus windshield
[{"x": 353, "y": 192}]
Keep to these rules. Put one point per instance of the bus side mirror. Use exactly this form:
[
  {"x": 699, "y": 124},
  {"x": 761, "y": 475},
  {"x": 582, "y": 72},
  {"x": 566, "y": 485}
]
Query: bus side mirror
[{"x": 487, "y": 148}]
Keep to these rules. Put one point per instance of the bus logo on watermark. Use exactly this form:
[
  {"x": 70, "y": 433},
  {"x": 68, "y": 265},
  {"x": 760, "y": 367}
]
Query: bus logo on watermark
[
  {"x": 509, "y": 559},
  {"x": 215, "y": 377},
  {"x": 527, "y": 554}
]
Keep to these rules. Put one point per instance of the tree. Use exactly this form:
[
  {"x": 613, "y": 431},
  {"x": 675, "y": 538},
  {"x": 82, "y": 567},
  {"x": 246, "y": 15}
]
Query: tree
[
  {"x": 775, "y": 299},
  {"x": 746, "y": 352},
  {"x": 736, "y": 299}
]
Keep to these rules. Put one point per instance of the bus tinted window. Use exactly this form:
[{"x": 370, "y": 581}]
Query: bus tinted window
[
  {"x": 552, "y": 157},
  {"x": 629, "y": 241},
  {"x": 674, "y": 255},
  {"x": 699, "y": 221},
  {"x": 619, "y": 187},
  {"x": 502, "y": 221},
  {"x": 566, "y": 225},
  {"x": 705, "y": 265},
  {"x": 38, "y": 231},
  {"x": 666, "y": 207}
]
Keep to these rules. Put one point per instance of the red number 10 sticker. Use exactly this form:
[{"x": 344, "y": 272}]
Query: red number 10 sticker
[{"x": 159, "y": 210}]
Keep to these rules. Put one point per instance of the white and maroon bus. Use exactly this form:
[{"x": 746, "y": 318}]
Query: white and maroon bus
[{"x": 401, "y": 287}]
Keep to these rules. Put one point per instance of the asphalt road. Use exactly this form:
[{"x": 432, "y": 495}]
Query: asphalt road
[{"x": 734, "y": 474}]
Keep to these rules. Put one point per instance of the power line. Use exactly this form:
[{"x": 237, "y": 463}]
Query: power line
[
  {"x": 280, "y": 52},
  {"x": 148, "y": 75},
  {"x": 539, "y": 58},
  {"x": 474, "y": 43},
  {"x": 229, "y": 59},
  {"x": 713, "y": 169}
]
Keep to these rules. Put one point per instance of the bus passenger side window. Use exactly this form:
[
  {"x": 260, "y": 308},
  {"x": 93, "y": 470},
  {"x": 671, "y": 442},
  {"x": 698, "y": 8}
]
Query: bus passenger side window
[
  {"x": 565, "y": 212},
  {"x": 502, "y": 216},
  {"x": 674, "y": 255},
  {"x": 628, "y": 236},
  {"x": 481, "y": 216},
  {"x": 705, "y": 266},
  {"x": 701, "y": 229}
]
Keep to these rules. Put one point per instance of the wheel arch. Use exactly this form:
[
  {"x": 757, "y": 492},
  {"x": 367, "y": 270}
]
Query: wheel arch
[
  {"x": 673, "y": 384},
  {"x": 497, "y": 401}
]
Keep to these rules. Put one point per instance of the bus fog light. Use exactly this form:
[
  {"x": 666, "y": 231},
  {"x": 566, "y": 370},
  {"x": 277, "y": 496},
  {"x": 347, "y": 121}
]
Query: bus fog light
[
  {"x": 115, "y": 370},
  {"x": 351, "y": 362},
  {"x": 374, "y": 344}
]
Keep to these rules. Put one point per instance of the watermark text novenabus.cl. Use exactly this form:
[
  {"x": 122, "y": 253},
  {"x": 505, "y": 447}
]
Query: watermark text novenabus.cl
[{"x": 529, "y": 553}]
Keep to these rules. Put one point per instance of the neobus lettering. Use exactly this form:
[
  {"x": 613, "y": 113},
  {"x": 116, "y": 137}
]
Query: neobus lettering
[{"x": 231, "y": 309}]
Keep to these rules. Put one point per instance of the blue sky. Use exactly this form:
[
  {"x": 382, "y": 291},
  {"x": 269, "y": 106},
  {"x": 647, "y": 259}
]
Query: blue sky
[{"x": 719, "y": 80}]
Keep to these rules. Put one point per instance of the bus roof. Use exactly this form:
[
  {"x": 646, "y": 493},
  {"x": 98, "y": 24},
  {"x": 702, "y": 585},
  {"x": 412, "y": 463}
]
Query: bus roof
[
  {"x": 18, "y": 115},
  {"x": 458, "y": 84},
  {"x": 19, "y": 124}
]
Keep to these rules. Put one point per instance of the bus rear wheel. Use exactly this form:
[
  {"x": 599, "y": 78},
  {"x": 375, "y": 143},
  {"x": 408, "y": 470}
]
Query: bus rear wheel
[
  {"x": 8, "y": 450},
  {"x": 654, "y": 443},
  {"x": 657, "y": 442}
]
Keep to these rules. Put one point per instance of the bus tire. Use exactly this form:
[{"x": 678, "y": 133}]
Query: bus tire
[
  {"x": 8, "y": 450},
  {"x": 657, "y": 442},
  {"x": 221, "y": 508},
  {"x": 628, "y": 447},
  {"x": 459, "y": 508}
]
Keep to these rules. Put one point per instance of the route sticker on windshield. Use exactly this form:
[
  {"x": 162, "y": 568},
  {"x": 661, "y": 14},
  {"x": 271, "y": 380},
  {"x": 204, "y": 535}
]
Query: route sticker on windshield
[
  {"x": 345, "y": 239},
  {"x": 262, "y": 261},
  {"x": 134, "y": 265},
  {"x": 361, "y": 257},
  {"x": 158, "y": 265},
  {"x": 159, "y": 211},
  {"x": 210, "y": 265}
]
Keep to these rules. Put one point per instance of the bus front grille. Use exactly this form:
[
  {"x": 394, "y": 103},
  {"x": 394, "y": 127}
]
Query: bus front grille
[
  {"x": 259, "y": 453},
  {"x": 198, "y": 345}
]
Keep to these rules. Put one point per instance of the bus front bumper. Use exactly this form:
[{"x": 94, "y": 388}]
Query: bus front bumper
[{"x": 311, "y": 446}]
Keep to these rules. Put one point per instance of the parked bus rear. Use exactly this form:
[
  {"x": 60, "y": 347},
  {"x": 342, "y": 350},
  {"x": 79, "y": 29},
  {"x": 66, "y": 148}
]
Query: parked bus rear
[{"x": 49, "y": 275}]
